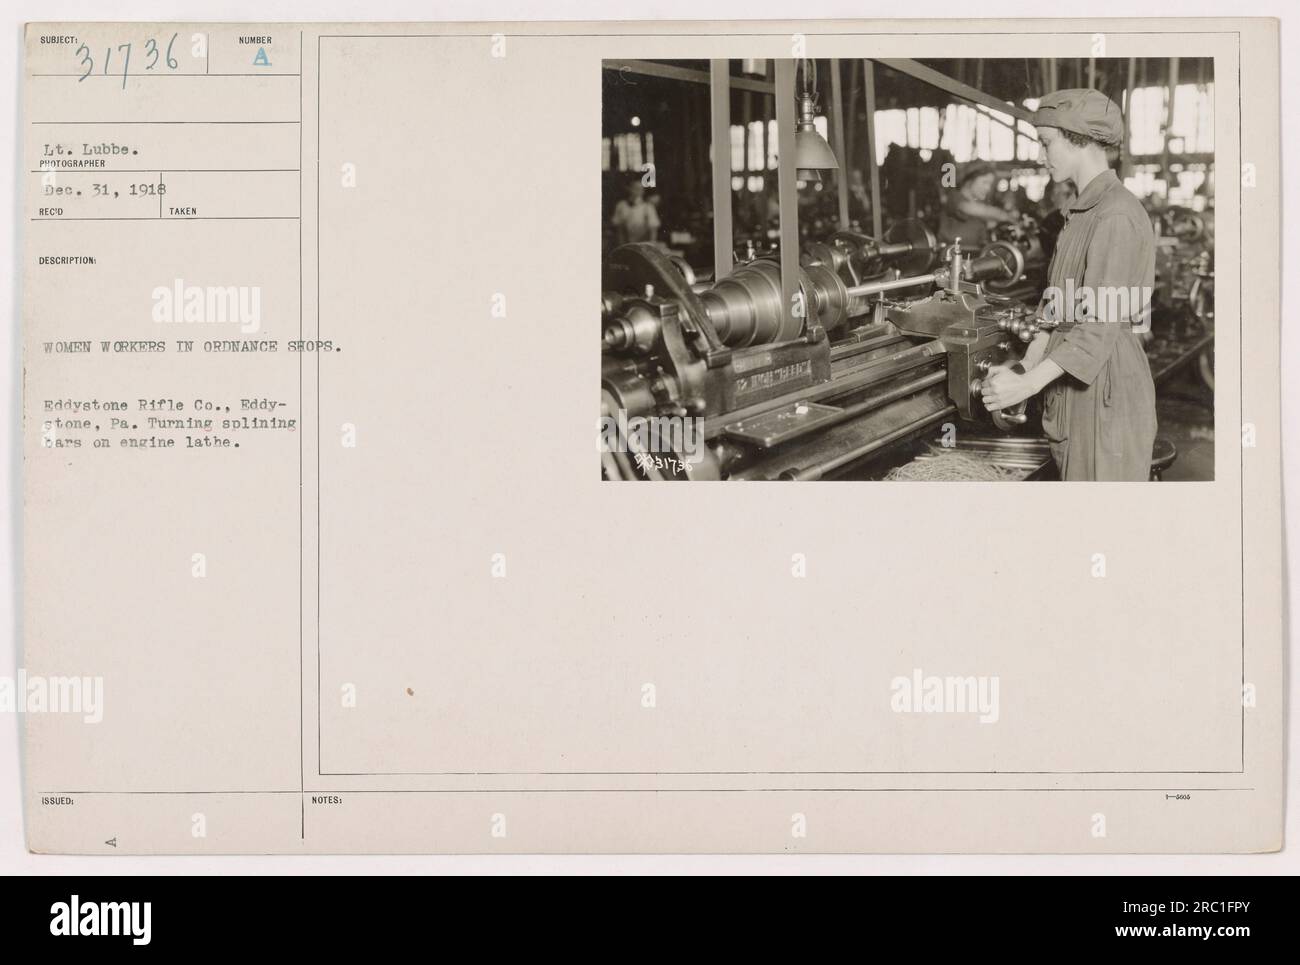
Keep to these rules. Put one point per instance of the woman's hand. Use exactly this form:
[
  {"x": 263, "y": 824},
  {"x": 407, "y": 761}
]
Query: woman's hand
[{"x": 1004, "y": 388}]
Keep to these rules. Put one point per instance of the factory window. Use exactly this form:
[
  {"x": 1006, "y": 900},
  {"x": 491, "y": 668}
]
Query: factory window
[
  {"x": 971, "y": 133},
  {"x": 755, "y": 146},
  {"x": 1187, "y": 181},
  {"x": 1191, "y": 125},
  {"x": 1193, "y": 119},
  {"x": 747, "y": 148},
  {"x": 1143, "y": 181},
  {"x": 977, "y": 132},
  {"x": 928, "y": 128},
  {"x": 1026, "y": 142},
  {"x": 994, "y": 137},
  {"x": 916, "y": 127},
  {"x": 627, "y": 152},
  {"x": 1033, "y": 181},
  {"x": 1145, "y": 118},
  {"x": 631, "y": 151},
  {"x": 958, "y": 131},
  {"x": 891, "y": 128}
]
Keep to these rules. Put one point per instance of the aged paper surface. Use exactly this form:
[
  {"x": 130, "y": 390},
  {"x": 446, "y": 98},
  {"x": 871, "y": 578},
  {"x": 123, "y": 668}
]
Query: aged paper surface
[{"x": 327, "y": 546}]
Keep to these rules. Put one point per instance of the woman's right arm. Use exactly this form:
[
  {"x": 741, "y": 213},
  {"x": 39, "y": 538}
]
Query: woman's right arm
[
  {"x": 1035, "y": 351},
  {"x": 989, "y": 212}
]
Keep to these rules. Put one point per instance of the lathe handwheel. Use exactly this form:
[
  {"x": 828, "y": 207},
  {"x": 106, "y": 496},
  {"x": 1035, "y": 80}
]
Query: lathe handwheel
[
  {"x": 683, "y": 266},
  {"x": 1013, "y": 261},
  {"x": 1007, "y": 419},
  {"x": 913, "y": 231},
  {"x": 1187, "y": 226}
]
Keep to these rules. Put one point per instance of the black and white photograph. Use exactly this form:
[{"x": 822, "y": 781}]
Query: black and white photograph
[
  {"x": 888, "y": 269},
  {"x": 310, "y": 571}
]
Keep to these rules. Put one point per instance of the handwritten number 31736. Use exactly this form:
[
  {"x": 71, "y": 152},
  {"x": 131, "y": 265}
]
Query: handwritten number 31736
[{"x": 151, "y": 53}]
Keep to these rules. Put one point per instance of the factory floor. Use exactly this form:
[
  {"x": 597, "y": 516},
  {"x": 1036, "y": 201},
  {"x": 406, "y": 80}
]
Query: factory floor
[{"x": 1185, "y": 416}]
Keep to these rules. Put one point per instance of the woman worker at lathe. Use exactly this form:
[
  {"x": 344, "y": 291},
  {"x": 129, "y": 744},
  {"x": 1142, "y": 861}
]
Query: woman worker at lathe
[{"x": 1099, "y": 408}]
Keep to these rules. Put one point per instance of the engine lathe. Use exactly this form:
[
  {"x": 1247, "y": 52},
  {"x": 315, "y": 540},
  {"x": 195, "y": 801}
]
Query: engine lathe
[{"x": 886, "y": 338}]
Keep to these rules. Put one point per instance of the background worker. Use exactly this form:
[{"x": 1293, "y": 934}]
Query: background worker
[
  {"x": 635, "y": 218},
  {"x": 967, "y": 213}
]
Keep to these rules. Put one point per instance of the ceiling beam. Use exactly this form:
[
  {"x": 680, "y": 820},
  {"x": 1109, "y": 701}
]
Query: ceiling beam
[{"x": 942, "y": 81}]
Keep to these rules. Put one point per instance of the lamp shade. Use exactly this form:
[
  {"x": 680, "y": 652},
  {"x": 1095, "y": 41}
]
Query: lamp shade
[{"x": 811, "y": 152}]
